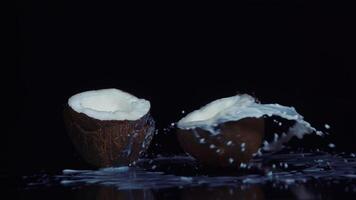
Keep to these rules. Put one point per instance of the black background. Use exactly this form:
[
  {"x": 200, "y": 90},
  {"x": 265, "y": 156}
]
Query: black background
[{"x": 180, "y": 58}]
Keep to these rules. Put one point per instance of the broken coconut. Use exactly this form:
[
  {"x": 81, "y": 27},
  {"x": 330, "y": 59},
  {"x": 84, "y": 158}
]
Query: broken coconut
[
  {"x": 215, "y": 138},
  {"x": 228, "y": 131},
  {"x": 109, "y": 127}
]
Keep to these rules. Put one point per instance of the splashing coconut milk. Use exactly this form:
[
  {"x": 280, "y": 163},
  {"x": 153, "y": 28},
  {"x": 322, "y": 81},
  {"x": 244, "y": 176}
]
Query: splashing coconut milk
[{"x": 243, "y": 106}]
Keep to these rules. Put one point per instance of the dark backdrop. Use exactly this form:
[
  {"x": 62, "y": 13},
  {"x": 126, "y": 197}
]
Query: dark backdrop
[{"x": 179, "y": 58}]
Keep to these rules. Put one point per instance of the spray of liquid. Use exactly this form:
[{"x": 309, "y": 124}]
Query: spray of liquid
[{"x": 245, "y": 106}]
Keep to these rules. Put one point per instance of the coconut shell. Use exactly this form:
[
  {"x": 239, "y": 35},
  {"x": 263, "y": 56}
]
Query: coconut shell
[
  {"x": 109, "y": 142},
  {"x": 197, "y": 142}
]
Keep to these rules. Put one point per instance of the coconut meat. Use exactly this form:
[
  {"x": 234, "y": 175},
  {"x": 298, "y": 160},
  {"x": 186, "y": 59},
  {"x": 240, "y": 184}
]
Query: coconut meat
[
  {"x": 239, "y": 107},
  {"x": 109, "y": 104}
]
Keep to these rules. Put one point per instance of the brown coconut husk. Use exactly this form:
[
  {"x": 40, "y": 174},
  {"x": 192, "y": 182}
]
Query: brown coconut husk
[
  {"x": 248, "y": 130},
  {"x": 106, "y": 143}
]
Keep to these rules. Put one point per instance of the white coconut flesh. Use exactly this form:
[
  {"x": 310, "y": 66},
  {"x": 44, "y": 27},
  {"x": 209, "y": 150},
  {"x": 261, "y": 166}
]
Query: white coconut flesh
[
  {"x": 244, "y": 106},
  {"x": 109, "y": 104}
]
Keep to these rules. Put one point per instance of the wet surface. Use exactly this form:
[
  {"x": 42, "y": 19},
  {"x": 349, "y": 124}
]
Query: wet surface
[{"x": 316, "y": 175}]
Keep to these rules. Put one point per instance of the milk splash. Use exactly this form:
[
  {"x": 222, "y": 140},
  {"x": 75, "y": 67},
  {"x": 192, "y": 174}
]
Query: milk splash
[
  {"x": 245, "y": 106},
  {"x": 276, "y": 169}
]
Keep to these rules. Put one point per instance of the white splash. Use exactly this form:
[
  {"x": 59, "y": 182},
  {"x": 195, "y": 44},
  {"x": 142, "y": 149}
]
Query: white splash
[
  {"x": 243, "y": 145},
  {"x": 245, "y": 106},
  {"x": 243, "y": 165},
  {"x": 311, "y": 168},
  {"x": 275, "y": 137}
]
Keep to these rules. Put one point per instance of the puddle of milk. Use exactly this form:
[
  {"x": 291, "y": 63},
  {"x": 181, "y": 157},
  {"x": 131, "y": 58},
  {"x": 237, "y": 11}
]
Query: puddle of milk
[{"x": 277, "y": 169}]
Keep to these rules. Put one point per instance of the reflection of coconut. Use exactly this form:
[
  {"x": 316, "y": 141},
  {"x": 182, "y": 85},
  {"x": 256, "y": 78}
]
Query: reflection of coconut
[
  {"x": 109, "y": 127},
  {"x": 226, "y": 193},
  {"x": 217, "y": 137},
  {"x": 108, "y": 193}
]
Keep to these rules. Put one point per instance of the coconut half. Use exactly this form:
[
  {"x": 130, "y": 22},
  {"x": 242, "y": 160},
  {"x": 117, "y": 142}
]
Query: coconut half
[
  {"x": 228, "y": 131},
  {"x": 109, "y": 127}
]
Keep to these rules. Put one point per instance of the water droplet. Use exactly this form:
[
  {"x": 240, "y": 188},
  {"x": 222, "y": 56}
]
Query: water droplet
[
  {"x": 202, "y": 140},
  {"x": 154, "y": 167},
  {"x": 265, "y": 143},
  {"x": 212, "y": 146},
  {"x": 243, "y": 145},
  {"x": 319, "y": 133},
  {"x": 231, "y": 160},
  {"x": 229, "y": 143},
  {"x": 258, "y": 153},
  {"x": 275, "y": 137},
  {"x": 327, "y": 126},
  {"x": 183, "y": 111},
  {"x": 218, "y": 150},
  {"x": 331, "y": 145}
]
